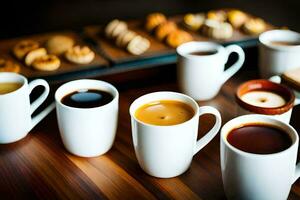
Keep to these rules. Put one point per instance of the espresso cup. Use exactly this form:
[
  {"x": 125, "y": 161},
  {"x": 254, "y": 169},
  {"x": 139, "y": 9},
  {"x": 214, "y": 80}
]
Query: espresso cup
[
  {"x": 87, "y": 132},
  {"x": 167, "y": 151},
  {"x": 282, "y": 113},
  {"x": 16, "y": 110},
  {"x": 258, "y": 176},
  {"x": 276, "y": 59},
  {"x": 202, "y": 76}
]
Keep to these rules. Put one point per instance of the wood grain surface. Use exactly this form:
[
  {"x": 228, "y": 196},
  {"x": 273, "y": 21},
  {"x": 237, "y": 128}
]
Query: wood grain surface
[
  {"x": 6, "y": 47},
  {"x": 39, "y": 167}
]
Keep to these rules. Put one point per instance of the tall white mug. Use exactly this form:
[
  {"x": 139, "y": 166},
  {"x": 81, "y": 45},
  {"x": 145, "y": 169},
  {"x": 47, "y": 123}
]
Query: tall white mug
[
  {"x": 167, "y": 151},
  {"x": 276, "y": 59},
  {"x": 251, "y": 176},
  {"x": 87, "y": 132},
  {"x": 202, "y": 76},
  {"x": 16, "y": 110}
]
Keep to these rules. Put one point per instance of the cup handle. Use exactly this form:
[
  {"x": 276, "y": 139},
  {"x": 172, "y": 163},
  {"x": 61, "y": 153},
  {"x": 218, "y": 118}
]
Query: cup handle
[
  {"x": 39, "y": 100},
  {"x": 213, "y": 132},
  {"x": 237, "y": 65}
]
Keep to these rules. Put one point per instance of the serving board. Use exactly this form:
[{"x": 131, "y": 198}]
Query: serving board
[
  {"x": 66, "y": 67},
  {"x": 158, "y": 48}
]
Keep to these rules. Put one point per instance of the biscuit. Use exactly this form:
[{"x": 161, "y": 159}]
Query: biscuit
[
  {"x": 34, "y": 54},
  {"x": 217, "y": 30},
  {"x": 153, "y": 20},
  {"x": 178, "y": 37},
  {"x": 193, "y": 21},
  {"x": 23, "y": 47},
  {"x": 9, "y": 66},
  {"x": 138, "y": 45},
  {"x": 237, "y": 18},
  {"x": 46, "y": 63},
  {"x": 114, "y": 28},
  {"x": 165, "y": 29},
  {"x": 59, "y": 44},
  {"x": 124, "y": 38},
  {"x": 80, "y": 55},
  {"x": 254, "y": 26},
  {"x": 218, "y": 15}
]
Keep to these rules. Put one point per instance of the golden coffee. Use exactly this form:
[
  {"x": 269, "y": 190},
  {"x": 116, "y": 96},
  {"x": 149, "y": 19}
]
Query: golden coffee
[
  {"x": 164, "y": 112},
  {"x": 8, "y": 87}
]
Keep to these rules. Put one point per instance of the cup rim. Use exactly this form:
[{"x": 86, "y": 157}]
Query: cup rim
[
  {"x": 58, "y": 101},
  {"x": 219, "y": 48},
  {"x": 261, "y": 84},
  {"x": 132, "y": 112},
  {"x": 274, "y": 122},
  {"x": 262, "y": 39},
  {"x": 13, "y": 74}
]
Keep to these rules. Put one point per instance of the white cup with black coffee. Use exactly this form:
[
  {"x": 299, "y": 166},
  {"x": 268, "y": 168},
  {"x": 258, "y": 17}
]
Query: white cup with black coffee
[{"x": 87, "y": 114}]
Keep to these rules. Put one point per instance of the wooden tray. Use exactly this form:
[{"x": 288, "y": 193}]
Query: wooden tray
[
  {"x": 66, "y": 67},
  {"x": 118, "y": 55}
]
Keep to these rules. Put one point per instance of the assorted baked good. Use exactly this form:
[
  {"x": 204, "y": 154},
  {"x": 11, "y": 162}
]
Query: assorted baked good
[
  {"x": 23, "y": 47},
  {"x": 165, "y": 29},
  {"x": 178, "y": 37},
  {"x": 46, "y": 63},
  {"x": 217, "y": 15},
  {"x": 80, "y": 54},
  {"x": 153, "y": 20},
  {"x": 254, "y": 26},
  {"x": 194, "y": 21},
  {"x": 133, "y": 42},
  {"x": 59, "y": 44},
  {"x": 237, "y": 18},
  {"x": 7, "y": 65},
  {"x": 34, "y": 54},
  {"x": 217, "y": 30}
]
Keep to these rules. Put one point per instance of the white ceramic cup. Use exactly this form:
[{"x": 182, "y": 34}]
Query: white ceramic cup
[
  {"x": 16, "y": 110},
  {"x": 275, "y": 59},
  {"x": 201, "y": 77},
  {"x": 87, "y": 132},
  {"x": 167, "y": 151},
  {"x": 258, "y": 176}
]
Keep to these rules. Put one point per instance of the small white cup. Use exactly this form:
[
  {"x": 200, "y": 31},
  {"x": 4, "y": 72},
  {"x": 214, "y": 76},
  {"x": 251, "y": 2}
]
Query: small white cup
[
  {"x": 201, "y": 77},
  {"x": 87, "y": 132},
  {"x": 16, "y": 110},
  {"x": 258, "y": 176},
  {"x": 167, "y": 151},
  {"x": 275, "y": 59}
]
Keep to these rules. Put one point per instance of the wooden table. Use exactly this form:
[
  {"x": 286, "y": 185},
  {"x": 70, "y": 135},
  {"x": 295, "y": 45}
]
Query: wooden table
[{"x": 38, "y": 167}]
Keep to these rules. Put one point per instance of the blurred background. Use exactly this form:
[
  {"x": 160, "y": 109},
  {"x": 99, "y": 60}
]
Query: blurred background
[{"x": 27, "y": 17}]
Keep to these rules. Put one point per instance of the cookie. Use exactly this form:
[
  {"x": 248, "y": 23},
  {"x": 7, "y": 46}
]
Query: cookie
[
  {"x": 80, "y": 55},
  {"x": 34, "y": 54},
  {"x": 254, "y": 26},
  {"x": 153, "y": 20},
  {"x": 138, "y": 45},
  {"x": 165, "y": 29},
  {"x": 193, "y": 21},
  {"x": 59, "y": 44},
  {"x": 178, "y": 37},
  {"x": 124, "y": 38},
  {"x": 217, "y": 15},
  {"x": 237, "y": 18},
  {"x": 217, "y": 30},
  {"x": 23, "y": 47},
  {"x": 46, "y": 63},
  {"x": 114, "y": 28},
  {"x": 9, "y": 66}
]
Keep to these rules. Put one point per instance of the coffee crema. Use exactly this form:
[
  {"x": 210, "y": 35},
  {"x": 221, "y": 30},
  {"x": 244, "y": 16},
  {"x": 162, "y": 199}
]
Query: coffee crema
[
  {"x": 285, "y": 43},
  {"x": 164, "y": 112},
  {"x": 87, "y": 98},
  {"x": 7, "y": 87},
  {"x": 203, "y": 53},
  {"x": 259, "y": 139}
]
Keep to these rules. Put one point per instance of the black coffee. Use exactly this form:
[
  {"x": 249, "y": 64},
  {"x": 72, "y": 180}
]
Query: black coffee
[
  {"x": 259, "y": 139},
  {"x": 88, "y": 98},
  {"x": 203, "y": 53}
]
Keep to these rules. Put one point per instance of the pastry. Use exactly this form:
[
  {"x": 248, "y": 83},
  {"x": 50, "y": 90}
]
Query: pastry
[
  {"x": 153, "y": 20},
  {"x": 218, "y": 15},
  {"x": 34, "y": 54},
  {"x": 59, "y": 44},
  {"x": 178, "y": 37},
  {"x": 114, "y": 28},
  {"x": 46, "y": 63},
  {"x": 254, "y": 26},
  {"x": 138, "y": 45},
  {"x": 236, "y": 18},
  {"x": 8, "y": 66},
  {"x": 23, "y": 47},
  {"x": 80, "y": 55},
  {"x": 194, "y": 21},
  {"x": 217, "y": 30},
  {"x": 124, "y": 38},
  {"x": 165, "y": 29}
]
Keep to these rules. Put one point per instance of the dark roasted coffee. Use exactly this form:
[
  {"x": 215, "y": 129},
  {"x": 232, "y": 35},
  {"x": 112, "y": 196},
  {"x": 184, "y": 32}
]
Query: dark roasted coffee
[
  {"x": 285, "y": 43},
  {"x": 203, "y": 53},
  {"x": 87, "y": 98},
  {"x": 259, "y": 139}
]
